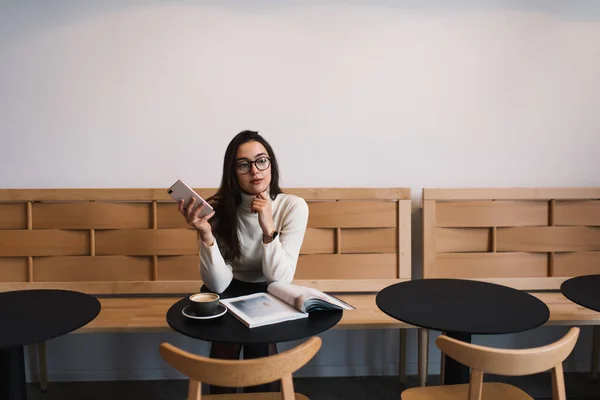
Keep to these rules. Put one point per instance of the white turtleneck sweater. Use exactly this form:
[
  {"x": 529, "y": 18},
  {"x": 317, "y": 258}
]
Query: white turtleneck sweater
[{"x": 275, "y": 261}]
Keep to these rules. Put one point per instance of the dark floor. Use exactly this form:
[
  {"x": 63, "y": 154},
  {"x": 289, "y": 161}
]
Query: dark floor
[{"x": 579, "y": 387}]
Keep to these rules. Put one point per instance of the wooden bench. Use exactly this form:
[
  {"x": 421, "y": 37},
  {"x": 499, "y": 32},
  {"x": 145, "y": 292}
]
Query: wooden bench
[
  {"x": 531, "y": 239},
  {"x": 132, "y": 249}
]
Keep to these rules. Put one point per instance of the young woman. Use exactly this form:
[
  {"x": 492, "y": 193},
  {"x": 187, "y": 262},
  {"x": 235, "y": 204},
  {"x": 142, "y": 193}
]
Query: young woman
[{"x": 253, "y": 236}]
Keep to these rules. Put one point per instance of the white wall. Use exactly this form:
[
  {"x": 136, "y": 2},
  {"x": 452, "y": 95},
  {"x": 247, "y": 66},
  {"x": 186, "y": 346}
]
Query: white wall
[{"x": 361, "y": 93}]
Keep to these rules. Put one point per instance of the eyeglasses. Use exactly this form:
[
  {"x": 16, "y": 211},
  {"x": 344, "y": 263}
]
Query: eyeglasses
[{"x": 244, "y": 166}]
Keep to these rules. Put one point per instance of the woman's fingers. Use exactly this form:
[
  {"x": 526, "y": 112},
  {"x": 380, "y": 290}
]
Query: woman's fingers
[
  {"x": 197, "y": 210},
  {"x": 190, "y": 206}
]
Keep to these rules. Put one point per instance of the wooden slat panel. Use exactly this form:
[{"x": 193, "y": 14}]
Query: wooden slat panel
[
  {"x": 347, "y": 266},
  {"x": 429, "y": 241},
  {"x": 491, "y": 213},
  {"x": 448, "y": 240},
  {"x": 374, "y": 240},
  {"x": 318, "y": 241},
  {"x": 359, "y": 214},
  {"x": 146, "y": 242},
  {"x": 169, "y": 216},
  {"x": 404, "y": 239},
  {"x": 511, "y": 193},
  {"x": 13, "y": 269},
  {"x": 549, "y": 238},
  {"x": 91, "y": 269},
  {"x": 575, "y": 264},
  {"x": 491, "y": 265},
  {"x": 351, "y": 193},
  {"x": 162, "y": 195},
  {"x": 91, "y": 215},
  {"x": 13, "y": 216},
  {"x": 577, "y": 213},
  {"x": 179, "y": 268},
  {"x": 46, "y": 242}
]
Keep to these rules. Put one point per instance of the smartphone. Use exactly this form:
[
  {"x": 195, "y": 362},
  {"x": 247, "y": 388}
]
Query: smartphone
[{"x": 180, "y": 190}]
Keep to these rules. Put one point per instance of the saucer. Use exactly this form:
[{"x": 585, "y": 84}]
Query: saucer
[{"x": 220, "y": 310}]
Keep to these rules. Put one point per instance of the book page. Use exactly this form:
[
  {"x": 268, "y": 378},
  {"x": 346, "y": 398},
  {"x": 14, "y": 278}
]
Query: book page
[
  {"x": 299, "y": 296},
  {"x": 261, "y": 309},
  {"x": 293, "y": 295}
]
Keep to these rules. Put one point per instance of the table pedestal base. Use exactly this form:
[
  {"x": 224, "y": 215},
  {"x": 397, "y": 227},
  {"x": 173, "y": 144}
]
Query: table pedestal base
[
  {"x": 455, "y": 372},
  {"x": 12, "y": 374}
]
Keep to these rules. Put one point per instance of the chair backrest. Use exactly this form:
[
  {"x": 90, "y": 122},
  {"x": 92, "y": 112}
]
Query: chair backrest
[
  {"x": 511, "y": 362},
  {"x": 241, "y": 373}
]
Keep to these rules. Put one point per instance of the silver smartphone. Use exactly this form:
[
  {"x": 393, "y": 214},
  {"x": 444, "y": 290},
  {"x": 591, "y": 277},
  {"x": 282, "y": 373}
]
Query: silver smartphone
[{"x": 180, "y": 191}]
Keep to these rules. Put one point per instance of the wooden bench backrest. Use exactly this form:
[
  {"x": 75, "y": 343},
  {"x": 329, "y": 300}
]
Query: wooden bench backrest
[
  {"x": 117, "y": 241},
  {"x": 527, "y": 238}
]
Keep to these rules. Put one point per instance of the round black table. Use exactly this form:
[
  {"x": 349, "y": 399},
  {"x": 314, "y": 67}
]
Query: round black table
[
  {"x": 33, "y": 316},
  {"x": 227, "y": 329},
  {"x": 462, "y": 308},
  {"x": 583, "y": 290}
]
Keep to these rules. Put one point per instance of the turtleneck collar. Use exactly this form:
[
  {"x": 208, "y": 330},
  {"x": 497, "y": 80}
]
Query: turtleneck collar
[{"x": 247, "y": 200}]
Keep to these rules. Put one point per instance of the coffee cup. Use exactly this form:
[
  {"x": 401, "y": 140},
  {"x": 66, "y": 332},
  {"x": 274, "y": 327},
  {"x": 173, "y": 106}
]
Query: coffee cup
[{"x": 204, "y": 303}]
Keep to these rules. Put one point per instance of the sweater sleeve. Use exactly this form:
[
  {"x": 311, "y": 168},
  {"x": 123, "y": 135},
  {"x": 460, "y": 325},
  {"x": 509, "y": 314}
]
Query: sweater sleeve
[
  {"x": 280, "y": 257},
  {"x": 215, "y": 272}
]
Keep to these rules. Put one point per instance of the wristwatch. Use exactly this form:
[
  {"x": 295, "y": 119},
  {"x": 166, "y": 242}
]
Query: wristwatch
[{"x": 270, "y": 238}]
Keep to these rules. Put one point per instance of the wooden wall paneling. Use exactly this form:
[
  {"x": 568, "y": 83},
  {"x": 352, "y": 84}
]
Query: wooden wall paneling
[
  {"x": 160, "y": 194},
  {"x": 147, "y": 242},
  {"x": 346, "y": 266},
  {"x": 472, "y": 194},
  {"x": 29, "y": 228},
  {"x": 404, "y": 238},
  {"x": 549, "y": 238},
  {"x": 44, "y": 242},
  {"x": 13, "y": 215},
  {"x": 14, "y": 269},
  {"x": 352, "y": 214},
  {"x": 482, "y": 213},
  {"x": 490, "y": 265},
  {"x": 449, "y": 240},
  {"x": 318, "y": 241},
  {"x": 154, "y": 275},
  {"x": 576, "y": 263},
  {"x": 369, "y": 240},
  {"x": 580, "y": 213},
  {"x": 92, "y": 269},
  {"x": 429, "y": 238},
  {"x": 169, "y": 217},
  {"x": 179, "y": 268},
  {"x": 92, "y": 215}
]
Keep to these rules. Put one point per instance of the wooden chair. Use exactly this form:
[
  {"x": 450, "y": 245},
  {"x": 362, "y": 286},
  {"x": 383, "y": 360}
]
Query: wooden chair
[
  {"x": 500, "y": 362},
  {"x": 242, "y": 373}
]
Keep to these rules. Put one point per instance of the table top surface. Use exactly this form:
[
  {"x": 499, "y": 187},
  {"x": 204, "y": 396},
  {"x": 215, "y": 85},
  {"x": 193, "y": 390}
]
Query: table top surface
[
  {"x": 583, "y": 290},
  {"x": 227, "y": 329},
  {"x": 33, "y": 316},
  {"x": 462, "y": 306}
]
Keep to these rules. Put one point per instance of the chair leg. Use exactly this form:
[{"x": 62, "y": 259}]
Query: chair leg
[
  {"x": 423, "y": 355},
  {"x": 595, "y": 352},
  {"x": 402, "y": 357},
  {"x": 42, "y": 366}
]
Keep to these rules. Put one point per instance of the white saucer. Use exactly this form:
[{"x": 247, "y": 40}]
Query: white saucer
[{"x": 220, "y": 310}]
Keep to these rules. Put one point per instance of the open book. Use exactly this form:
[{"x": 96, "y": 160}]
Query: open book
[{"x": 283, "y": 302}]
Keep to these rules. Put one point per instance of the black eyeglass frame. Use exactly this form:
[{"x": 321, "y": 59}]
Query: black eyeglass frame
[{"x": 253, "y": 162}]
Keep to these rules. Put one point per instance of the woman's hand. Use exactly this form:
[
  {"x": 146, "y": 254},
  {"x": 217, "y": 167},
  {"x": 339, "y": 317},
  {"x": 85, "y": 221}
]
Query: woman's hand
[
  {"x": 262, "y": 205},
  {"x": 201, "y": 224}
]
